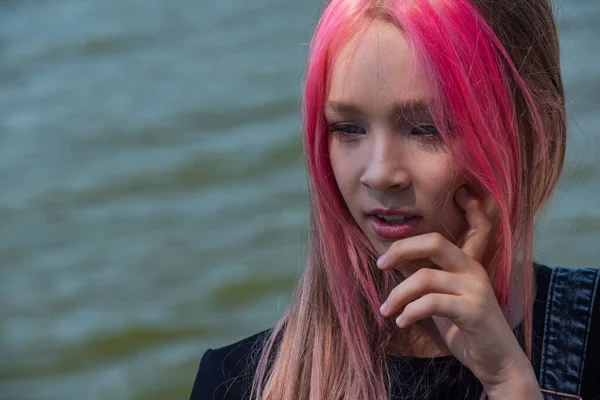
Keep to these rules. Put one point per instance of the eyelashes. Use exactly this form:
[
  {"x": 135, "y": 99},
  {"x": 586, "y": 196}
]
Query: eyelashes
[
  {"x": 425, "y": 130},
  {"x": 348, "y": 129},
  {"x": 346, "y": 133},
  {"x": 350, "y": 133}
]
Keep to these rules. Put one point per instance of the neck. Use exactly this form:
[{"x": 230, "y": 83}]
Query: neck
[{"x": 421, "y": 340}]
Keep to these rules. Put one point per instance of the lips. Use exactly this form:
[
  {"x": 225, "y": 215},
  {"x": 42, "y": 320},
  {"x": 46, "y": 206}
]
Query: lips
[{"x": 393, "y": 224}]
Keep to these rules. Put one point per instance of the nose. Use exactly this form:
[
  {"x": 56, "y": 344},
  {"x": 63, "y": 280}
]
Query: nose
[{"x": 386, "y": 168}]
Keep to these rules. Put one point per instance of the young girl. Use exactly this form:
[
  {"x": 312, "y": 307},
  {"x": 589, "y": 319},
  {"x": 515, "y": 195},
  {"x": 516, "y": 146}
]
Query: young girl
[{"x": 434, "y": 133}]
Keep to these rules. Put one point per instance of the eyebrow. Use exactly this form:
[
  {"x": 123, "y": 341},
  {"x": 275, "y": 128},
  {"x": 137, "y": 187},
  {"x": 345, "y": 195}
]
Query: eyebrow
[{"x": 410, "y": 106}]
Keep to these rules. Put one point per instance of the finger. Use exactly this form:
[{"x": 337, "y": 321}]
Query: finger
[
  {"x": 432, "y": 304},
  {"x": 479, "y": 227},
  {"x": 422, "y": 282},
  {"x": 433, "y": 246}
]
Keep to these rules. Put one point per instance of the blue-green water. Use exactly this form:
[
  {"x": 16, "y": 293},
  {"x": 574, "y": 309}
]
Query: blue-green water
[{"x": 153, "y": 197}]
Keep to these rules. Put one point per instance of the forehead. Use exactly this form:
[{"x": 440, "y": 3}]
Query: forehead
[{"x": 377, "y": 69}]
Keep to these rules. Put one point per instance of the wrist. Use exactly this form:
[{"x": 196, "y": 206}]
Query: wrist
[
  {"x": 522, "y": 386},
  {"x": 516, "y": 391}
]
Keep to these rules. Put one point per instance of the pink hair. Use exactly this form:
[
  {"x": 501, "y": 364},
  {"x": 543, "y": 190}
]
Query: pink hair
[{"x": 332, "y": 341}]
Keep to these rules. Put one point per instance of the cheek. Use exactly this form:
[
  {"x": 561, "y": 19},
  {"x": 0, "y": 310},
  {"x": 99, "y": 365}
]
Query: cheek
[
  {"x": 441, "y": 179},
  {"x": 336, "y": 161},
  {"x": 344, "y": 170},
  {"x": 437, "y": 174}
]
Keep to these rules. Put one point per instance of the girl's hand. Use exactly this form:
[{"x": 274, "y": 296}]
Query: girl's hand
[{"x": 461, "y": 301}]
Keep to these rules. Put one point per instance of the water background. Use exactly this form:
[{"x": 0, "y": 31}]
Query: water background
[{"x": 153, "y": 197}]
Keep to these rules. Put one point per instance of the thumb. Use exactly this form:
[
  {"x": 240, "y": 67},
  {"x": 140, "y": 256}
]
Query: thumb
[{"x": 479, "y": 227}]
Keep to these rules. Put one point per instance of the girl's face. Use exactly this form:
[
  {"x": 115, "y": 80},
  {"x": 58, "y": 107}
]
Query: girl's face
[{"x": 386, "y": 154}]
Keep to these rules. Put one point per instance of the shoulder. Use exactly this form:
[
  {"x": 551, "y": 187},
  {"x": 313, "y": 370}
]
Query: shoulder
[
  {"x": 591, "y": 384},
  {"x": 227, "y": 372},
  {"x": 567, "y": 294},
  {"x": 572, "y": 297},
  {"x": 235, "y": 357}
]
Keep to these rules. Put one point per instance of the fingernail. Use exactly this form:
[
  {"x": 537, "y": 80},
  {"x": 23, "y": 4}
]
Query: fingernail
[
  {"x": 383, "y": 308},
  {"x": 381, "y": 261}
]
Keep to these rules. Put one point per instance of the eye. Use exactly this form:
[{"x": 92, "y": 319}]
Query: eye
[
  {"x": 347, "y": 133},
  {"x": 424, "y": 130},
  {"x": 347, "y": 129}
]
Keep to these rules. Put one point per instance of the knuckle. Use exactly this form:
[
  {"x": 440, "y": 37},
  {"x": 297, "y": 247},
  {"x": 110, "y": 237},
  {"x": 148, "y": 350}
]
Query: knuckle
[
  {"x": 478, "y": 306},
  {"x": 394, "y": 294},
  {"x": 475, "y": 204},
  {"x": 487, "y": 228},
  {"x": 483, "y": 287},
  {"x": 437, "y": 242},
  {"x": 431, "y": 301},
  {"x": 423, "y": 277},
  {"x": 481, "y": 290}
]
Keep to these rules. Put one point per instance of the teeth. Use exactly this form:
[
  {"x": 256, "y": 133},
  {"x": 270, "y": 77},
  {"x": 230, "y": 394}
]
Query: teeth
[{"x": 393, "y": 219}]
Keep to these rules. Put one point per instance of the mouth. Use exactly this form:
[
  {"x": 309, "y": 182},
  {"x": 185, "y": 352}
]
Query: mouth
[
  {"x": 395, "y": 219},
  {"x": 393, "y": 224}
]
